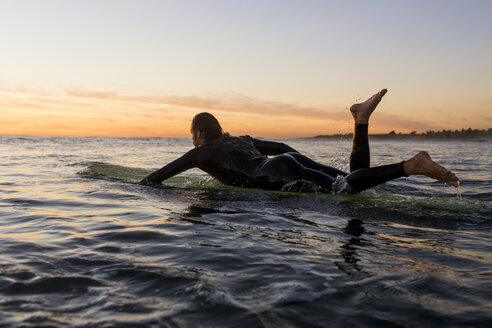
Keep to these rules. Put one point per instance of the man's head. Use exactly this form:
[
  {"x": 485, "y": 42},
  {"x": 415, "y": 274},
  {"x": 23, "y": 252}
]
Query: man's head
[{"x": 204, "y": 128}]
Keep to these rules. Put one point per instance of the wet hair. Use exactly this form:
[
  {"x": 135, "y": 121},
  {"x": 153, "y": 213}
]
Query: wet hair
[{"x": 208, "y": 125}]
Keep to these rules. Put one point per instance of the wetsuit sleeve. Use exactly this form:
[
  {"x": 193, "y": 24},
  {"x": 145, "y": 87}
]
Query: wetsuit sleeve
[
  {"x": 272, "y": 148},
  {"x": 185, "y": 162}
]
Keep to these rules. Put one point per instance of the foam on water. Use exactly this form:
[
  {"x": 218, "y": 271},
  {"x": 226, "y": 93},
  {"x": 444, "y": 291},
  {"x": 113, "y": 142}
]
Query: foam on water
[
  {"x": 301, "y": 186},
  {"x": 340, "y": 185}
]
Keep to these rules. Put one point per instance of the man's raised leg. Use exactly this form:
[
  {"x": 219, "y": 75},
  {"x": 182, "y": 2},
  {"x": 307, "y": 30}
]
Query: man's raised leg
[
  {"x": 420, "y": 164},
  {"x": 360, "y": 155}
]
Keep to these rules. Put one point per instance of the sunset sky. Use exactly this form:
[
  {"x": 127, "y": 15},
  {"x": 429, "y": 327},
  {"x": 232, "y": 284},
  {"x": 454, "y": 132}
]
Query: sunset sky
[{"x": 265, "y": 68}]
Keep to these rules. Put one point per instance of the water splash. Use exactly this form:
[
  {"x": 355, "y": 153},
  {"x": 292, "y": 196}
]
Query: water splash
[
  {"x": 459, "y": 194},
  {"x": 301, "y": 186},
  {"x": 340, "y": 185}
]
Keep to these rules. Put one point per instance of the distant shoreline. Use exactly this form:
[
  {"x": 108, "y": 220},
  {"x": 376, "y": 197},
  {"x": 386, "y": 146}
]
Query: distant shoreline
[
  {"x": 444, "y": 135},
  {"x": 468, "y": 134}
]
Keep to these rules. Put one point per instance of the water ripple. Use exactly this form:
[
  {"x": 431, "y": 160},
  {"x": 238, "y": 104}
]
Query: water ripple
[{"x": 82, "y": 252}]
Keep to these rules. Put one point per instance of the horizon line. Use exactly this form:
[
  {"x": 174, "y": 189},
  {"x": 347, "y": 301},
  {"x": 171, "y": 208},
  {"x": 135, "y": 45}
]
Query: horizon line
[{"x": 183, "y": 137}]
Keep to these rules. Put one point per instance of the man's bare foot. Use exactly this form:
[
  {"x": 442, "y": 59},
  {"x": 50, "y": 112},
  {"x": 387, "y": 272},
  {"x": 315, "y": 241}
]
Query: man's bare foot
[
  {"x": 422, "y": 164},
  {"x": 361, "y": 112}
]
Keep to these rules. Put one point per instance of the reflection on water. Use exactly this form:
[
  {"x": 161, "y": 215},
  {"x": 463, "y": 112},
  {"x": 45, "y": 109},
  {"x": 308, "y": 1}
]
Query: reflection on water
[
  {"x": 85, "y": 252},
  {"x": 348, "y": 251}
]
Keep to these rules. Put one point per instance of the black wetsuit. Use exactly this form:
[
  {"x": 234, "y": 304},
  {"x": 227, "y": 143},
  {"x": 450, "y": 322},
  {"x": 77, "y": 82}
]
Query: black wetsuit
[{"x": 242, "y": 161}]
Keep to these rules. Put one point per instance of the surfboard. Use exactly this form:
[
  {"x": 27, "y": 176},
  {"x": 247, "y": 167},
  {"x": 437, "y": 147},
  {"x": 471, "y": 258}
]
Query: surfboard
[
  {"x": 136, "y": 174},
  {"x": 189, "y": 181}
]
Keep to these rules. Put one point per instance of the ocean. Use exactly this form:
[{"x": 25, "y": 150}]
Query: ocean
[{"x": 81, "y": 250}]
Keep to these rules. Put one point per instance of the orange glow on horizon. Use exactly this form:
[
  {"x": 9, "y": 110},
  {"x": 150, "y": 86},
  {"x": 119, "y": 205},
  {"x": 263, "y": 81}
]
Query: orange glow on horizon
[{"x": 99, "y": 113}]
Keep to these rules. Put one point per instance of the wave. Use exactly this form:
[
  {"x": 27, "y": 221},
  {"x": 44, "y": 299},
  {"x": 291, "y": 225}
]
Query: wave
[{"x": 49, "y": 285}]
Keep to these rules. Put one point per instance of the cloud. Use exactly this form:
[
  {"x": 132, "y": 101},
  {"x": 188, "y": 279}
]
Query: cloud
[
  {"x": 91, "y": 93},
  {"x": 106, "y": 111},
  {"x": 236, "y": 103},
  {"x": 25, "y": 90}
]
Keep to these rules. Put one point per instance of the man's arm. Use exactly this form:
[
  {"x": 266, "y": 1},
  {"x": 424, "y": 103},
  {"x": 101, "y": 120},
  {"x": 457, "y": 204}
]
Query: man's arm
[
  {"x": 272, "y": 148},
  {"x": 185, "y": 162}
]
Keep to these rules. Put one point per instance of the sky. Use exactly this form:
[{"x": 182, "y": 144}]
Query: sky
[{"x": 277, "y": 69}]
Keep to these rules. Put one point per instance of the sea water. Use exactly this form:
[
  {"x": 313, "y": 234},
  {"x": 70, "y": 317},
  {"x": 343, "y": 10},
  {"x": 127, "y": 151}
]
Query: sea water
[{"x": 78, "y": 251}]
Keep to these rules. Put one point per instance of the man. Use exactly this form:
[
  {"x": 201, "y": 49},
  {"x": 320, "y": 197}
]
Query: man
[{"x": 242, "y": 161}]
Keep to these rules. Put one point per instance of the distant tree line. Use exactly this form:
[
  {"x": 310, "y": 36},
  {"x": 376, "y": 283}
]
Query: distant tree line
[
  {"x": 463, "y": 134},
  {"x": 450, "y": 134}
]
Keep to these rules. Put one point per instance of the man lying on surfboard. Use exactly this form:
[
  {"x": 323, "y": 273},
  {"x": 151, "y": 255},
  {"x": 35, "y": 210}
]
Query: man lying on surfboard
[{"x": 243, "y": 161}]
